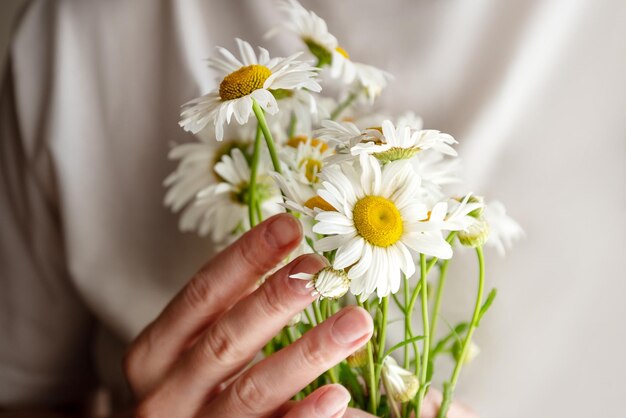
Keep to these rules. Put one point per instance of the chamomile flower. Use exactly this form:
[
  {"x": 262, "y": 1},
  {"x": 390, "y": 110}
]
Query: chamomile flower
[
  {"x": 301, "y": 105},
  {"x": 221, "y": 209},
  {"x": 401, "y": 384},
  {"x": 343, "y": 136},
  {"x": 196, "y": 161},
  {"x": 503, "y": 229},
  {"x": 313, "y": 31},
  {"x": 436, "y": 171},
  {"x": 377, "y": 219},
  {"x": 242, "y": 81},
  {"x": 404, "y": 142},
  {"x": 307, "y": 159},
  {"x": 327, "y": 283}
]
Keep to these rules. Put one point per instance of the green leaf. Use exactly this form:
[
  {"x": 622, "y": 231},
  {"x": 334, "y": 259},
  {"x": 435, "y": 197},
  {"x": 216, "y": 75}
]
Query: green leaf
[
  {"x": 402, "y": 344},
  {"x": 483, "y": 310},
  {"x": 431, "y": 370},
  {"x": 383, "y": 407},
  {"x": 454, "y": 333},
  {"x": 348, "y": 378}
]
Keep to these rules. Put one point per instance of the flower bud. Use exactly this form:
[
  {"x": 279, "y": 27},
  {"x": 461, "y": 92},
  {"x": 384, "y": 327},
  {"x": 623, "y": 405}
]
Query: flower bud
[
  {"x": 472, "y": 352},
  {"x": 358, "y": 358},
  {"x": 328, "y": 282},
  {"x": 476, "y": 234},
  {"x": 401, "y": 384}
]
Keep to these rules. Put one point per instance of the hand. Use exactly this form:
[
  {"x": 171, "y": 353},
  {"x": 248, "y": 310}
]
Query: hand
[
  {"x": 430, "y": 407},
  {"x": 217, "y": 323}
]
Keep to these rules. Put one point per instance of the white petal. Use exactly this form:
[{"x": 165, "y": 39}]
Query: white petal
[{"x": 349, "y": 253}]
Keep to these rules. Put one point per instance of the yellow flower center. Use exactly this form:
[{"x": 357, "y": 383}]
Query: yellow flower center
[
  {"x": 342, "y": 52},
  {"x": 293, "y": 142},
  {"x": 243, "y": 81},
  {"x": 378, "y": 220},
  {"x": 311, "y": 168},
  {"x": 318, "y": 202}
]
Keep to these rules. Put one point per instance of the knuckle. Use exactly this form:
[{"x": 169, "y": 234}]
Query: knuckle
[
  {"x": 272, "y": 301},
  {"x": 314, "y": 353},
  {"x": 219, "y": 346},
  {"x": 249, "y": 394},
  {"x": 147, "y": 408},
  {"x": 198, "y": 293},
  {"x": 247, "y": 250},
  {"x": 130, "y": 366}
]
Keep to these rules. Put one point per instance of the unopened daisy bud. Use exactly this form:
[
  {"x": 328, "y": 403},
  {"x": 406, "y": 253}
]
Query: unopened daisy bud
[
  {"x": 472, "y": 352},
  {"x": 328, "y": 282},
  {"x": 476, "y": 234},
  {"x": 358, "y": 358},
  {"x": 401, "y": 384}
]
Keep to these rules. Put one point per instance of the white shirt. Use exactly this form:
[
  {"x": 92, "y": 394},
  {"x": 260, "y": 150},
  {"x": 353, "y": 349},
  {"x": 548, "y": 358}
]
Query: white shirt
[{"x": 534, "y": 91}]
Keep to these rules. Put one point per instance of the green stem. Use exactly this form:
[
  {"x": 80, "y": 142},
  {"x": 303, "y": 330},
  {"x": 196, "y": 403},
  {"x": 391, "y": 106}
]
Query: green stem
[
  {"x": 343, "y": 105},
  {"x": 373, "y": 389},
  {"x": 291, "y": 130},
  {"x": 271, "y": 147},
  {"x": 407, "y": 321},
  {"x": 426, "y": 323},
  {"x": 252, "y": 198},
  {"x": 309, "y": 317},
  {"x": 383, "y": 329},
  {"x": 447, "y": 396},
  {"x": 429, "y": 266},
  {"x": 443, "y": 272},
  {"x": 317, "y": 312}
]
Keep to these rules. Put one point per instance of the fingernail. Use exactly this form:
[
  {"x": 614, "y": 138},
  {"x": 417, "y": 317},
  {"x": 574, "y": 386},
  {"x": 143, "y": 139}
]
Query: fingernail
[
  {"x": 306, "y": 264},
  {"x": 282, "y": 231},
  {"x": 353, "y": 324},
  {"x": 332, "y": 402}
]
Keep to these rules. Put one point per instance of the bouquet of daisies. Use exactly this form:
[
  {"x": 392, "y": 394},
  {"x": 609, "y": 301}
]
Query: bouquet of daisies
[{"x": 369, "y": 189}]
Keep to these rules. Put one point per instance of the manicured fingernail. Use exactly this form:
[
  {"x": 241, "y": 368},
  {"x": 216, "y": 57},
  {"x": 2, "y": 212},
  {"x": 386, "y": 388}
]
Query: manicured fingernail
[
  {"x": 332, "y": 402},
  {"x": 311, "y": 264},
  {"x": 282, "y": 231},
  {"x": 352, "y": 325}
]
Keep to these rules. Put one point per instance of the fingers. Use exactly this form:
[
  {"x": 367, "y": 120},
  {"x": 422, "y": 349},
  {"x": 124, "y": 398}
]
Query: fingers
[
  {"x": 329, "y": 401},
  {"x": 231, "y": 342},
  {"x": 219, "y": 284},
  {"x": 270, "y": 383},
  {"x": 357, "y": 413}
]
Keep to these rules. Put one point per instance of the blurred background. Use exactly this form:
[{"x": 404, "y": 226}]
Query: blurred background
[
  {"x": 9, "y": 10},
  {"x": 535, "y": 92}
]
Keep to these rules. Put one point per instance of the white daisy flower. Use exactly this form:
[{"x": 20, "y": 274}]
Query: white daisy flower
[
  {"x": 252, "y": 78},
  {"x": 307, "y": 158},
  {"x": 300, "y": 104},
  {"x": 401, "y": 384},
  {"x": 410, "y": 119},
  {"x": 372, "y": 79},
  {"x": 196, "y": 162},
  {"x": 298, "y": 196},
  {"x": 503, "y": 229},
  {"x": 311, "y": 28},
  {"x": 313, "y": 31},
  {"x": 436, "y": 171},
  {"x": 343, "y": 136},
  {"x": 404, "y": 142},
  {"x": 327, "y": 283},
  {"x": 221, "y": 209},
  {"x": 377, "y": 219}
]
